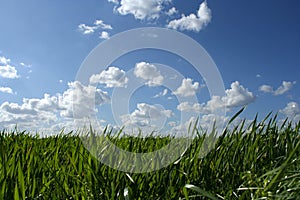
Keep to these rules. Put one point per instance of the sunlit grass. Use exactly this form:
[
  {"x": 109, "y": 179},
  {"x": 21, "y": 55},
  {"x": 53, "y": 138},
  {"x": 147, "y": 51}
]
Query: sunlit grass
[{"x": 257, "y": 161}]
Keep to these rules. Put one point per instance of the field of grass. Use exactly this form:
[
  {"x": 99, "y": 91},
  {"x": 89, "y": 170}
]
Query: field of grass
[{"x": 258, "y": 161}]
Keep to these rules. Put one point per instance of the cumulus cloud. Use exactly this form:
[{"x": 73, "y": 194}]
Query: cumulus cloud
[
  {"x": 146, "y": 116},
  {"x": 98, "y": 24},
  {"x": 292, "y": 111},
  {"x": 4, "y": 60},
  {"x": 172, "y": 123},
  {"x": 7, "y": 90},
  {"x": 148, "y": 72},
  {"x": 189, "y": 107},
  {"x": 104, "y": 35},
  {"x": 114, "y": 1},
  {"x": 81, "y": 100},
  {"x": 236, "y": 96},
  {"x": 30, "y": 114},
  {"x": 182, "y": 128},
  {"x": 283, "y": 88},
  {"x": 209, "y": 120},
  {"x": 172, "y": 11},
  {"x": 8, "y": 71},
  {"x": 14, "y": 108},
  {"x": 141, "y": 10},
  {"x": 42, "y": 112},
  {"x": 112, "y": 77},
  {"x": 187, "y": 88},
  {"x": 193, "y": 22}
]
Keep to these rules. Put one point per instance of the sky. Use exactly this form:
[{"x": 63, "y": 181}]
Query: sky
[{"x": 44, "y": 44}]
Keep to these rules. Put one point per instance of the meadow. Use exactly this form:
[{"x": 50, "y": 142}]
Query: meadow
[{"x": 256, "y": 161}]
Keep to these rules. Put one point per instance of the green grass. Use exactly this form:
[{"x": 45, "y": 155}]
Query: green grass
[{"x": 259, "y": 161}]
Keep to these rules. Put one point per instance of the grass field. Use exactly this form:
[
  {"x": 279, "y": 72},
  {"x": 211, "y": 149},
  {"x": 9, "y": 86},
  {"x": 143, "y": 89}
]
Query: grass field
[{"x": 257, "y": 161}]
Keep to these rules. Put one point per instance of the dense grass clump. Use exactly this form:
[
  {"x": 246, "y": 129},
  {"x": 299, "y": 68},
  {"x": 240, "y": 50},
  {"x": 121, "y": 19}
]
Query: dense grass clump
[{"x": 258, "y": 161}]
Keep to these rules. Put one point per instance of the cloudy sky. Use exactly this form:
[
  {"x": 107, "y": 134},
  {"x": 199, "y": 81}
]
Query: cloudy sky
[{"x": 254, "y": 45}]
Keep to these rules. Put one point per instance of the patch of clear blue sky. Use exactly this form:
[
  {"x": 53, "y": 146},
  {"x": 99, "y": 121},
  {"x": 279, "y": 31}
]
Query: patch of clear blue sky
[{"x": 243, "y": 38}]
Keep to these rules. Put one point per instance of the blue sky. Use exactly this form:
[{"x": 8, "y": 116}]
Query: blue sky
[{"x": 254, "y": 45}]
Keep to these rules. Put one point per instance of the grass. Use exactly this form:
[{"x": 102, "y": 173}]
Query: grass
[{"x": 258, "y": 161}]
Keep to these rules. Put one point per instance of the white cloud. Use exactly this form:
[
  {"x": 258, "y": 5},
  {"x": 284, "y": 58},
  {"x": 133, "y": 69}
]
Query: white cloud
[
  {"x": 189, "y": 107},
  {"x": 25, "y": 65},
  {"x": 114, "y": 1},
  {"x": 8, "y": 71},
  {"x": 164, "y": 93},
  {"x": 148, "y": 72},
  {"x": 81, "y": 100},
  {"x": 4, "y": 60},
  {"x": 146, "y": 117},
  {"x": 283, "y": 88},
  {"x": 31, "y": 114},
  {"x": 172, "y": 11},
  {"x": 236, "y": 96},
  {"x": 24, "y": 118},
  {"x": 292, "y": 111},
  {"x": 141, "y": 10},
  {"x": 112, "y": 77},
  {"x": 161, "y": 94},
  {"x": 37, "y": 113},
  {"x": 172, "y": 123},
  {"x": 183, "y": 127},
  {"x": 104, "y": 35},
  {"x": 266, "y": 88},
  {"x": 98, "y": 24},
  {"x": 286, "y": 86},
  {"x": 208, "y": 121},
  {"x": 85, "y": 29},
  {"x": 6, "y": 90},
  {"x": 33, "y": 106},
  {"x": 187, "y": 88},
  {"x": 193, "y": 22}
]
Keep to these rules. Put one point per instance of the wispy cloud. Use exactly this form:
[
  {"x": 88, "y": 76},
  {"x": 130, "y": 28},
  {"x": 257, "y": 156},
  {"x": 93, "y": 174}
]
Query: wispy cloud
[
  {"x": 98, "y": 25},
  {"x": 25, "y": 65},
  {"x": 282, "y": 89},
  {"x": 161, "y": 94}
]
